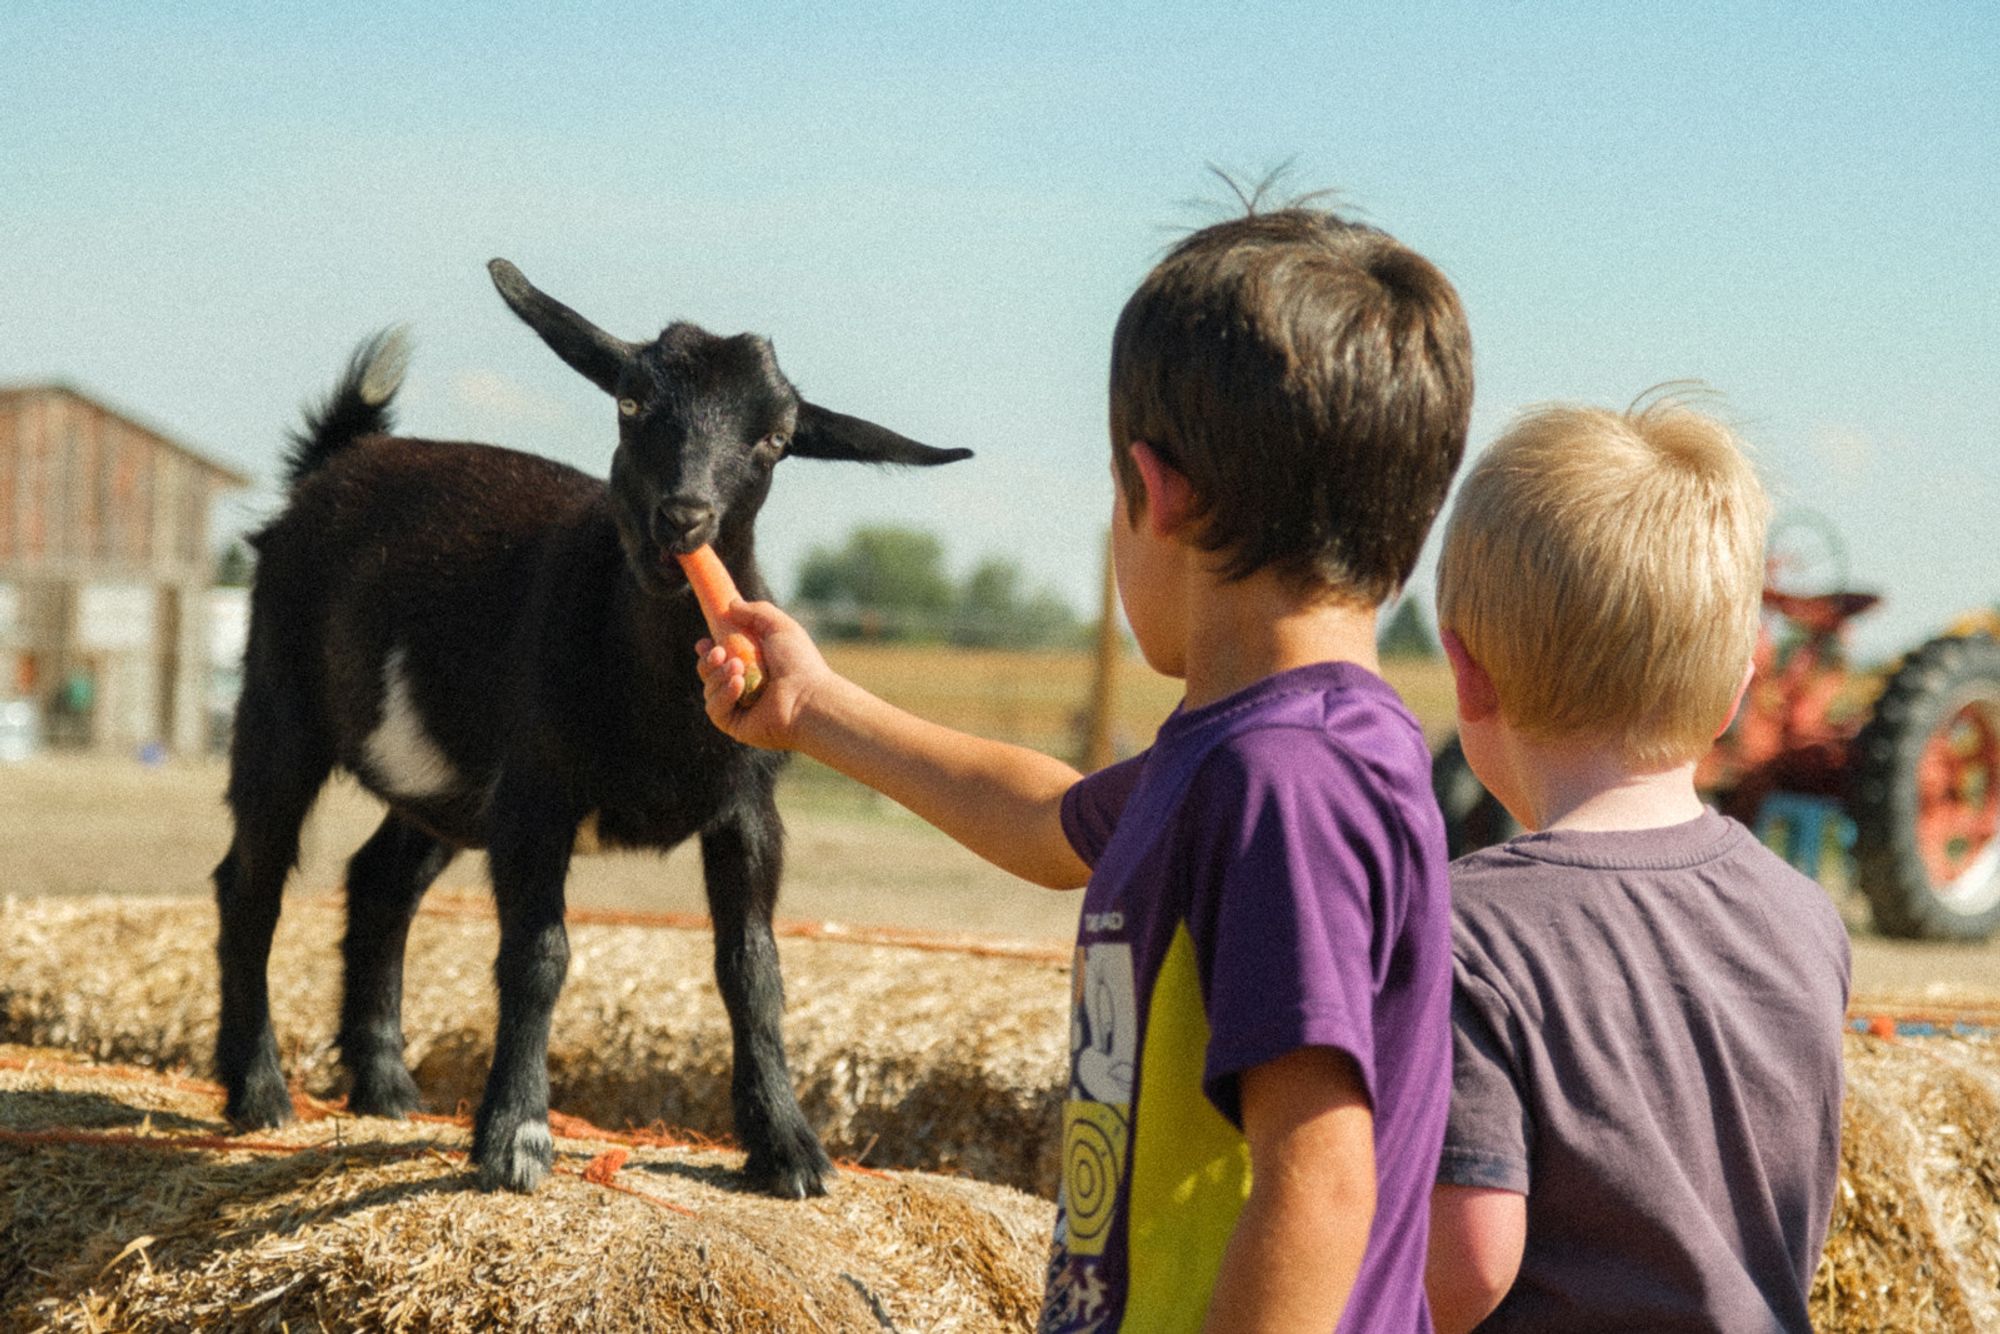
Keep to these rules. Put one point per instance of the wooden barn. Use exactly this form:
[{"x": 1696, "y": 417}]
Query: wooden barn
[{"x": 105, "y": 568}]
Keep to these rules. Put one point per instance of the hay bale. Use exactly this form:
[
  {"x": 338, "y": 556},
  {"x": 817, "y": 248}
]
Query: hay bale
[
  {"x": 915, "y": 1058},
  {"x": 1915, "y": 1240},
  {"x": 903, "y": 1057},
  {"x": 122, "y": 1207}
]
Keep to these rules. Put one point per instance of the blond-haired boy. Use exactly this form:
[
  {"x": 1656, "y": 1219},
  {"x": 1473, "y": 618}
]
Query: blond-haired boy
[
  {"x": 1261, "y": 1053},
  {"x": 1647, "y": 1004}
]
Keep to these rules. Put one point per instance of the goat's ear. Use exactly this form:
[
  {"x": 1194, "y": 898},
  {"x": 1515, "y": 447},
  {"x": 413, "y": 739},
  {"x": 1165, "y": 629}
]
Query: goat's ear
[
  {"x": 590, "y": 352},
  {"x": 825, "y": 434}
]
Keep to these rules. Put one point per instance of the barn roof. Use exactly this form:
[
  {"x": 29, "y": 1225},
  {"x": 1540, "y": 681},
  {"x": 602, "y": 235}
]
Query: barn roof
[{"x": 16, "y": 393}]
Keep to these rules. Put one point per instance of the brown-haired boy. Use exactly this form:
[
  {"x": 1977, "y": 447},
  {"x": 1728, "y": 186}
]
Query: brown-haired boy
[
  {"x": 1260, "y": 1060},
  {"x": 1647, "y": 1010}
]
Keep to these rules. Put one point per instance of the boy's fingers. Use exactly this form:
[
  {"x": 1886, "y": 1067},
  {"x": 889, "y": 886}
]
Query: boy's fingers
[
  {"x": 759, "y": 618},
  {"x": 722, "y": 673},
  {"x": 719, "y": 695},
  {"x": 717, "y": 663}
]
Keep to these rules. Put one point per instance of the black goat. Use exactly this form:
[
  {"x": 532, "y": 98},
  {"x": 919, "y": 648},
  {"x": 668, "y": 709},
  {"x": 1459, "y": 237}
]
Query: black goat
[{"x": 501, "y": 648}]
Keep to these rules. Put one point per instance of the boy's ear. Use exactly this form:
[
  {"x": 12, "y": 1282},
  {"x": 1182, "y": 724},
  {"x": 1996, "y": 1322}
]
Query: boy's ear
[
  {"x": 1477, "y": 699},
  {"x": 1742, "y": 689},
  {"x": 1168, "y": 503}
]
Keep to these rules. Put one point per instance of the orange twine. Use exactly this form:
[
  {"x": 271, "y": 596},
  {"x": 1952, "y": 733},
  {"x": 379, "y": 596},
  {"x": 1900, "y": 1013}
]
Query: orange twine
[
  {"x": 467, "y": 905},
  {"x": 599, "y": 1170}
]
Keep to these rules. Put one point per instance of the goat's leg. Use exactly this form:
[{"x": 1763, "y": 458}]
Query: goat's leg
[
  {"x": 249, "y": 884},
  {"x": 741, "y": 862},
  {"x": 385, "y": 881},
  {"x": 530, "y": 851},
  {"x": 275, "y": 773}
]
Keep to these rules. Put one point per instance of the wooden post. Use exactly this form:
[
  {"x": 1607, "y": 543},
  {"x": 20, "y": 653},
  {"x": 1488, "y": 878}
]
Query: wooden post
[{"x": 1097, "y": 752}]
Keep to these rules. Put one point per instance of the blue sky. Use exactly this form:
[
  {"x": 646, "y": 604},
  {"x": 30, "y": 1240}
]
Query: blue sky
[{"x": 936, "y": 212}]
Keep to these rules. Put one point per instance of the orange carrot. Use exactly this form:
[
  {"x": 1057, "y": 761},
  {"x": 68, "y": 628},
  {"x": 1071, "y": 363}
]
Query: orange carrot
[{"x": 716, "y": 592}]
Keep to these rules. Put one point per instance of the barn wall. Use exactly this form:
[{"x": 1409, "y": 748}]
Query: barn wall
[
  {"x": 105, "y": 563},
  {"x": 10, "y": 463}
]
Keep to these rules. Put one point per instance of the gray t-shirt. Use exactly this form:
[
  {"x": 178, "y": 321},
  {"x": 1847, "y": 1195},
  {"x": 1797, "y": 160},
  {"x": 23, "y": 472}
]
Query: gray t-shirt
[{"x": 1647, "y": 1044}]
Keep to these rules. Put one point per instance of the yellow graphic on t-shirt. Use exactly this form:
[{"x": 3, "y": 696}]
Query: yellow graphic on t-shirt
[
  {"x": 1095, "y": 1139},
  {"x": 1190, "y": 1166},
  {"x": 1097, "y": 1119}
]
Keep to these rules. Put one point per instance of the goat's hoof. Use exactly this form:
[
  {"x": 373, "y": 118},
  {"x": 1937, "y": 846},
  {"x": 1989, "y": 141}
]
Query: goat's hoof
[
  {"x": 383, "y": 1090},
  {"x": 791, "y": 1171},
  {"x": 260, "y": 1102},
  {"x": 512, "y": 1154}
]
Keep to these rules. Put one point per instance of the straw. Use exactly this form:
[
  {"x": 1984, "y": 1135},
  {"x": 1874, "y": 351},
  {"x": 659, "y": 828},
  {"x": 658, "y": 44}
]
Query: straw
[{"x": 126, "y": 1207}]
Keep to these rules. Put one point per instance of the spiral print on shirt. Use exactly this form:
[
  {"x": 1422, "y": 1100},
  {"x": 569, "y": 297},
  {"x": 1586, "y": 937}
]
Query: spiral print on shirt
[{"x": 1095, "y": 1135}]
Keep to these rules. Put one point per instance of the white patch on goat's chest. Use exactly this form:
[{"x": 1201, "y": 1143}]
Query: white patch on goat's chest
[{"x": 401, "y": 755}]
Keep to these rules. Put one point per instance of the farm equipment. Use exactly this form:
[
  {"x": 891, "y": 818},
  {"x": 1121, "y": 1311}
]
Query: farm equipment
[{"x": 1901, "y": 770}]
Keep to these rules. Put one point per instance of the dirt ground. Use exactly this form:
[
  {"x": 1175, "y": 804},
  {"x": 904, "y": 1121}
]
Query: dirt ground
[
  {"x": 77, "y": 825},
  {"x": 83, "y": 825}
]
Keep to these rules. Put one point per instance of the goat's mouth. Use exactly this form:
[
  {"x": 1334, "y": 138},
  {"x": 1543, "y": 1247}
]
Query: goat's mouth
[
  {"x": 654, "y": 568},
  {"x": 671, "y": 549},
  {"x": 658, "y": 572},
  {"x": 655, "y": 562}
]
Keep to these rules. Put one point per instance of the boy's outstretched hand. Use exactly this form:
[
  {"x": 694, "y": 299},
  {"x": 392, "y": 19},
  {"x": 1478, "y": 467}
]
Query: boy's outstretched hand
[{"x": 793, "y": 670}]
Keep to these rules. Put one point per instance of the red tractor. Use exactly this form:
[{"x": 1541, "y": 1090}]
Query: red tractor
[{"x": 1906, "y": 776}]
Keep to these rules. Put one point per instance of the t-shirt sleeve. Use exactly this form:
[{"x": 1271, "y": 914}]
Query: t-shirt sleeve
[
  {"x": 1487, "y": 1132},
  {"x": 1090, "y": 809},
  {"x": 1297, "y": 866}
]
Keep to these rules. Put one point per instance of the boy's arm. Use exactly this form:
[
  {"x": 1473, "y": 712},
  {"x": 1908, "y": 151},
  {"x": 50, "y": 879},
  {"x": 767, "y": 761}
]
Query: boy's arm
[
  {"x": 1479, "y": 1208},
  {"x": 1477, "y": 1234},
  {"x": 1298, "y": 1243},
  {"x": 1003, "y": 802}
]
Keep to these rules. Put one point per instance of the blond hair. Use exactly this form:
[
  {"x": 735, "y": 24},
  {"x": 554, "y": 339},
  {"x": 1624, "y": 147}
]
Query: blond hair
[{"x": 1605, "y": 569}]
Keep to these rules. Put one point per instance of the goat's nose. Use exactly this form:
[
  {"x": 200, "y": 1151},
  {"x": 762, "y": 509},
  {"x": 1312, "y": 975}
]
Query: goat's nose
[{"x": 683, "y": 525}]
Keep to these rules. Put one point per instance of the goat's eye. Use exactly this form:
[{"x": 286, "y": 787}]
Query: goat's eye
[
  {"x": 775, "y": 444},
  {"x": 628, "y": 407}
]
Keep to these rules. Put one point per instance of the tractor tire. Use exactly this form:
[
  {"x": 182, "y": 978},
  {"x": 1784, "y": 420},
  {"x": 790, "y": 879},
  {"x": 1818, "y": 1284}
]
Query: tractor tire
[
  {"x": 1925, "y": 794},
  {"x": 1473, "y": 817}
]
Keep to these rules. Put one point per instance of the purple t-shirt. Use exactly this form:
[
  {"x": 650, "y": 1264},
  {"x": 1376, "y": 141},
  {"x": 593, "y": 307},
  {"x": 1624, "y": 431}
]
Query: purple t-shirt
[
  {"x": 1270, "y": 875},
  {"x": 1648, "y": 1028}
]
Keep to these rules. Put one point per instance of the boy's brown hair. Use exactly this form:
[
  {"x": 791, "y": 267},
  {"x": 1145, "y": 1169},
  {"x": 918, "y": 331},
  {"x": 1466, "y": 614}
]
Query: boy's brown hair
[
  {"x": 1312, "y": 378},
  {"x": 1605, "y": 569}
]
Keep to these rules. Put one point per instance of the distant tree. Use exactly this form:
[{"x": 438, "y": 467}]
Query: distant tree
[
  {"x": 992, "y": 589},
  {"x": 1046, "y": 620},
  {"x": 992, "y": 612},
  {"x": 234, "y": 566},
  {"x": 892, "y": 579},
  {"x": 988, "y": 603},
  {"x": 890, "y": 583},
  {"x": 1408, "y": 635}
]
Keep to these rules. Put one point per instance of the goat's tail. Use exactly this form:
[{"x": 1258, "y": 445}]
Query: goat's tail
[{"x": 358, "y": 406}]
